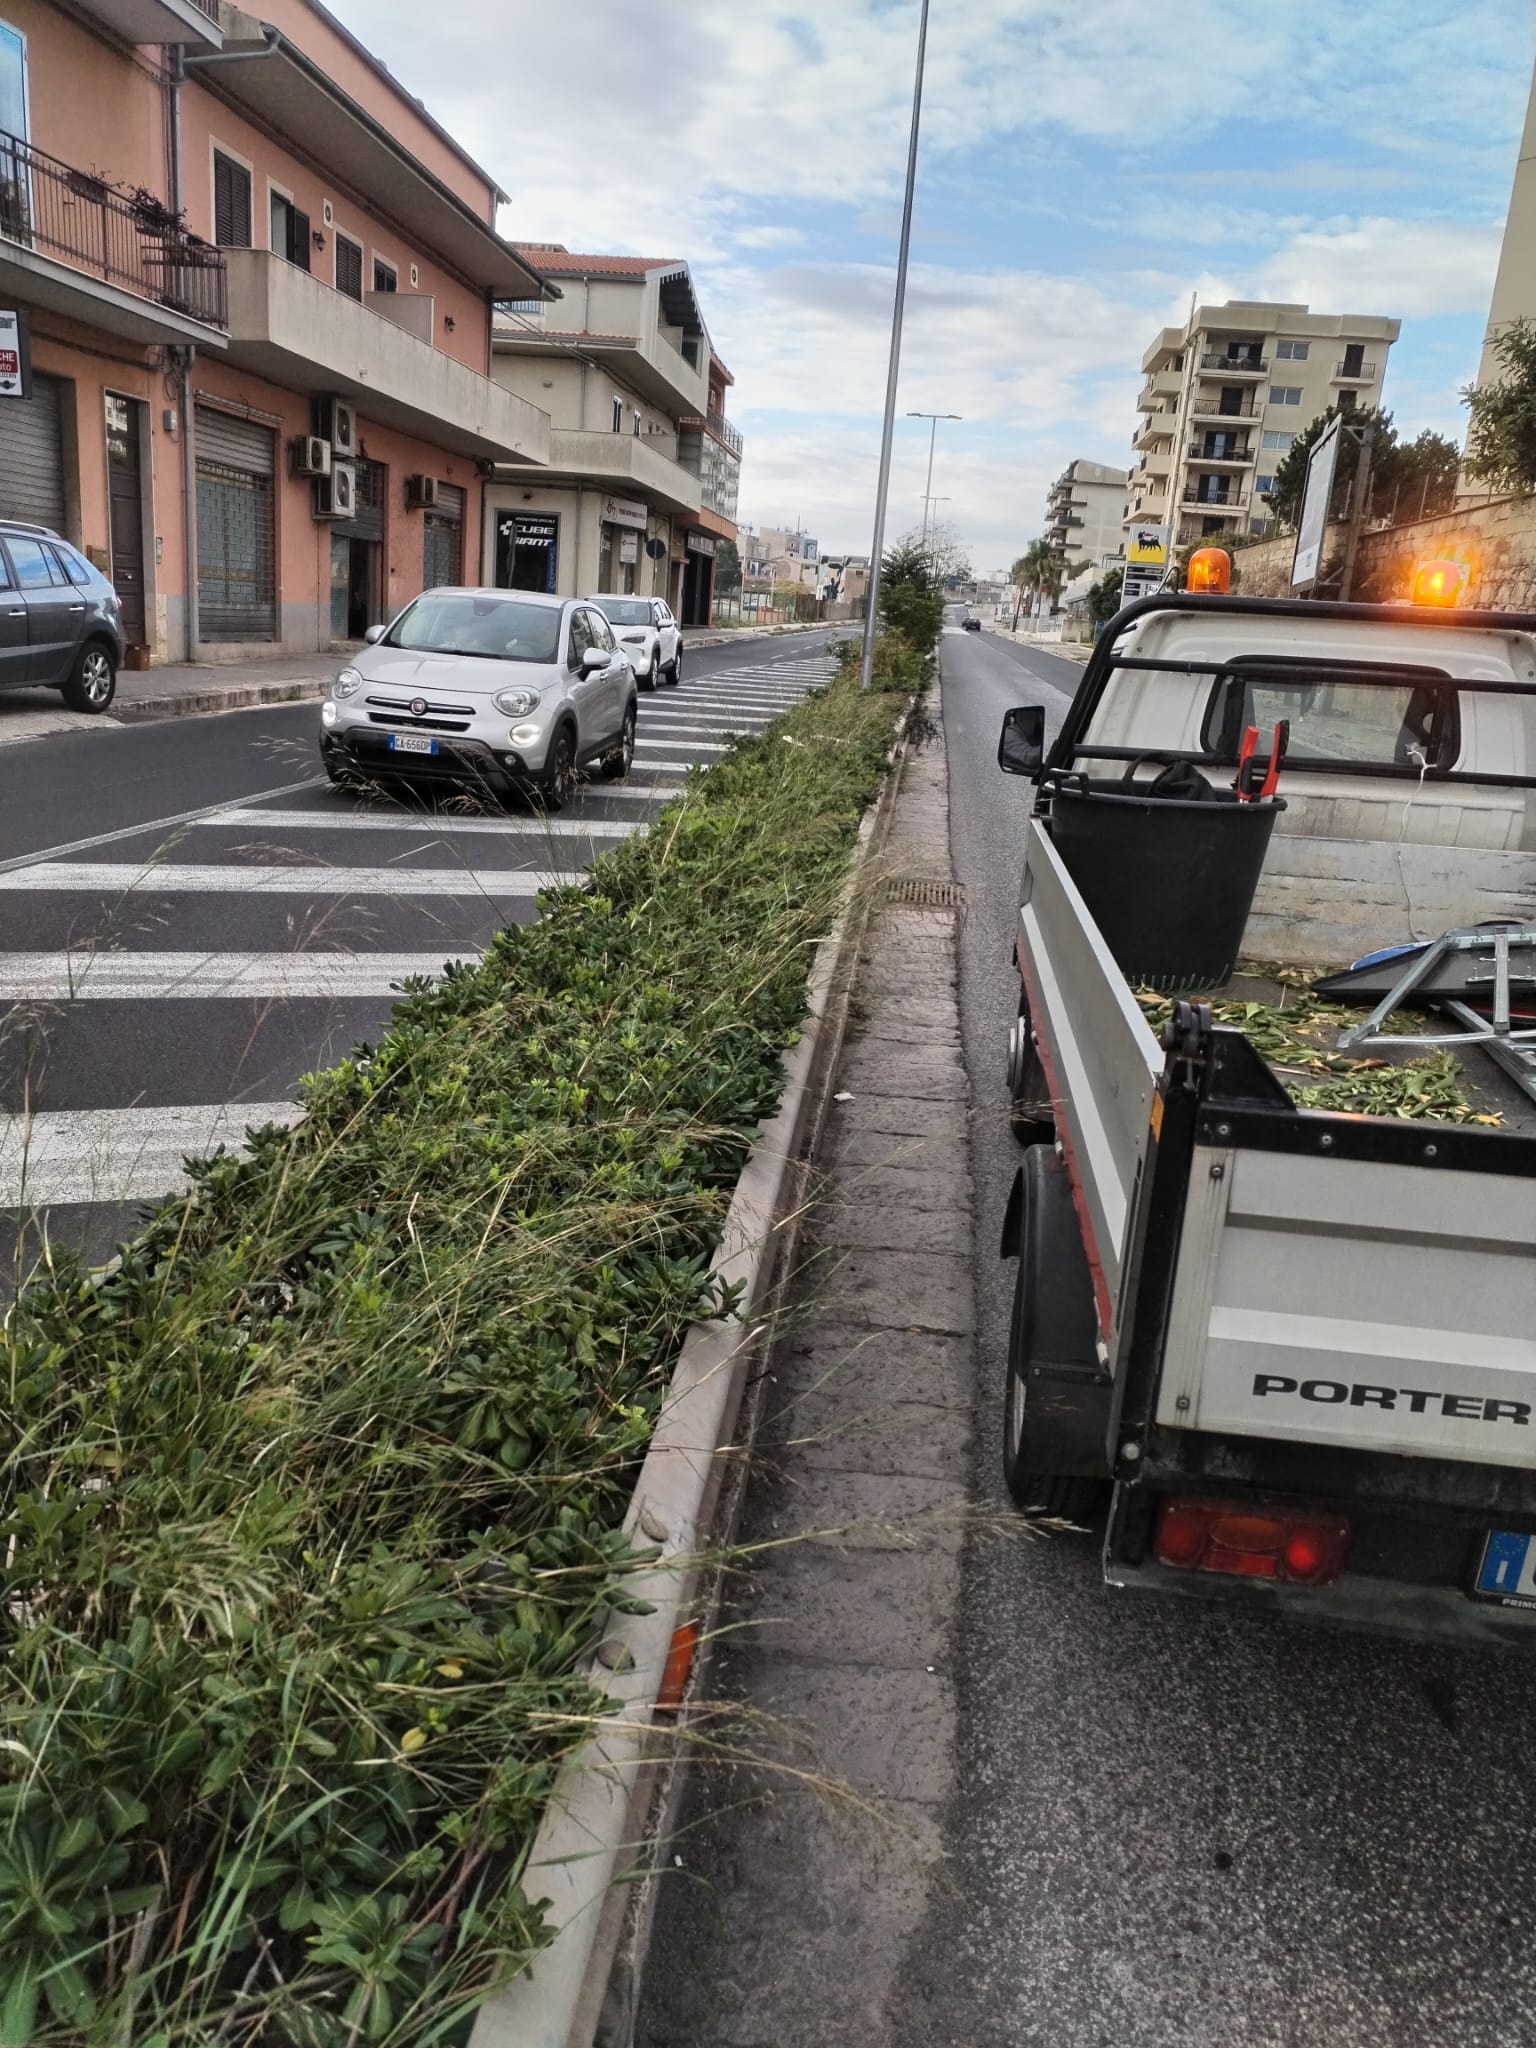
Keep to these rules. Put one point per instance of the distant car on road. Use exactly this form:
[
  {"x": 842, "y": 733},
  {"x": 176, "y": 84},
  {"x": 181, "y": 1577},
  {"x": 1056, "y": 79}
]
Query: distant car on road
[
  {"x": 971, "y": 623},
  {"x": 61, "y": 623},
  {"x": 494, "y": 689},
  {"x": 651, "y": 639}
]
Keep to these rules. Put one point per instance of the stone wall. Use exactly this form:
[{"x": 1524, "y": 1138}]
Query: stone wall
[{"x": 1497, "y": 539}]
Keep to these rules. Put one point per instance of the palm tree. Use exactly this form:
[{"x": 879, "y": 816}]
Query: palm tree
[{"x": 1039, "y": 570}]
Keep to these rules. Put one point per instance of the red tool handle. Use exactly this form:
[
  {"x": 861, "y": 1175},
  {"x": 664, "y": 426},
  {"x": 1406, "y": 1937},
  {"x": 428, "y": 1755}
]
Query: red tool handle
[
  {"x": 1245, "y": 754},
  {"x": 1277, "y": 746}
]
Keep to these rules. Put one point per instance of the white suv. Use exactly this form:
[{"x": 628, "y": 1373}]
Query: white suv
[{"x": 650, "y": 637}]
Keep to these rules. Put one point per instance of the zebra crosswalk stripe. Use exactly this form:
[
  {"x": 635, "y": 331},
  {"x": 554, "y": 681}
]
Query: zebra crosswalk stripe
[
  {"x": 84, "y": 977},
  {"x": 118, "y": 1155}
]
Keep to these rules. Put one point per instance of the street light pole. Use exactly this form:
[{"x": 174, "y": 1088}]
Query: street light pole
[
  {"x": 883, "y": 484},
  {"x": 933, "y": 435}
]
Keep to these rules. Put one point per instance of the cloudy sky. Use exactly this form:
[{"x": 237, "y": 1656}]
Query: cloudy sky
[{"x": 1085, "y": 165}]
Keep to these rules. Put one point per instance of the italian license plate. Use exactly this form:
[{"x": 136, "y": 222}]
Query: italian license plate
[
  {"x": 1508, "y": 1570},
  {"x": 411, "y": 743}
]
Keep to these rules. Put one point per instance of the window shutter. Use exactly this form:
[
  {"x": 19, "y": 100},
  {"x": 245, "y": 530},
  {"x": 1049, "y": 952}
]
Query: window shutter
[
  {"x": 349, "y": 268},
  {"x": 298, "y": 238},
  {"x": 231, "y": 204}
]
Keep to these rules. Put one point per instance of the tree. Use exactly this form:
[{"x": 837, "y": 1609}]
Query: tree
[
  {"x": 1040, "y": 571},
  {"x": 911, "y": 593},
  {"x": 727, "y": 566},
  {"x": 941, "y": 544},
  {"x": 1408, "y": 480},
  {"x": 1501, "y": 440},
  {"x": 1104, "y": 597},
  {"x": 1291, "y": 476}
]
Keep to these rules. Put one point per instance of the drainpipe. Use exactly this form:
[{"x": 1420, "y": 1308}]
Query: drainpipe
[
  {"x": 188, "y": 446},
  {"x": 271, "y": 43}
]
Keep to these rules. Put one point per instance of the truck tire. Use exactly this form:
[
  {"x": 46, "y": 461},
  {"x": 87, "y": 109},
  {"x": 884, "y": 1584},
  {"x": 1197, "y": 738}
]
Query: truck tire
[
  {"x": 1029, "y": 1093},
  {"x": 1056, "y": 1407}
]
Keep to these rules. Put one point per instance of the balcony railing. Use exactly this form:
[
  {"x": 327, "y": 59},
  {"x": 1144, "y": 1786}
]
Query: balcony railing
[
  {"x": 1232, "y": 501},
  {"x": 134, "y": 243},
  {"x": 1213, "y": 409},
  {"x": 1237, "y": 366},
  {"x": 1203, "y": 452},
  {"x": 1362, "y": 373},
  {"x": 208, "y": 7},
  {"x": 718, "y": 425}
]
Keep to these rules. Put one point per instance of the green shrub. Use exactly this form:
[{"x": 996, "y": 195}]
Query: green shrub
[{"x": 313, "y": 1505}]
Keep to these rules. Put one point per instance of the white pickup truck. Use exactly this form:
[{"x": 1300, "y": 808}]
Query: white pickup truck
[{"x": 1295, "y": 1349}]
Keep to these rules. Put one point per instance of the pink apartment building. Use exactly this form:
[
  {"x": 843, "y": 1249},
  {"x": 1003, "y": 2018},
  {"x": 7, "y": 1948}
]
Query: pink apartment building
[{"x": 255, "y": 283}]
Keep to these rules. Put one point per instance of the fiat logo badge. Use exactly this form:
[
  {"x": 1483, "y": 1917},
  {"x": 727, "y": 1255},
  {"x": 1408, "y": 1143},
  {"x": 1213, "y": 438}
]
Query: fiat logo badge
[{"x": 418, "y": 707}]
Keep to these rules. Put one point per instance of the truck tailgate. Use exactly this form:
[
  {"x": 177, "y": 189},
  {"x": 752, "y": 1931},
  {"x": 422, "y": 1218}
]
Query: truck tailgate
[{"x": 1379, "y": 1306}]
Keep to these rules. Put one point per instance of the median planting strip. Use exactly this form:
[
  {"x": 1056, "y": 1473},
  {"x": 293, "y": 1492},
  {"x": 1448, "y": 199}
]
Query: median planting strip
[{"x": 317, "y": 1503}]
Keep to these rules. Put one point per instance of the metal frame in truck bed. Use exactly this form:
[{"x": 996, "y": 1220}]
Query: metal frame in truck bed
[{"x": 1309, "y": 1334}]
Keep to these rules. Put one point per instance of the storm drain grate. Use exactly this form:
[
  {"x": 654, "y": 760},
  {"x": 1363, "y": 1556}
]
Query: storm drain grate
[{"x": 927, "y": 895}]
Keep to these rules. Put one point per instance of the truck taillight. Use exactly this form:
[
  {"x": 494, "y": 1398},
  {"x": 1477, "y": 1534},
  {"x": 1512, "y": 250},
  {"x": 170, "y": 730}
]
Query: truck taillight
[{"x": 1218, "y": 1536}]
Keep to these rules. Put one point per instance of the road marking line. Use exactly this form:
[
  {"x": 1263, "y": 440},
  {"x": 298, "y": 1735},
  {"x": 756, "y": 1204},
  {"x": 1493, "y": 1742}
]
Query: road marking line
[
  {"x": 116, "y": 878},
  {"x": 427, "y": 828},
  {"x": 118, "y": 1155},
  {"x": 145, "y": 977},
  {"x": 682, "y": 740},
  {"x": 26, "y": 860}
]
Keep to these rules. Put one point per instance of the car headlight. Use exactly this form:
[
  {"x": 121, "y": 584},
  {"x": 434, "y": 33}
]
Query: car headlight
[
  {"x": 517, "y": 703},
  {"x": 327, "y": 713},
  {"x": 633, "y": 639},
  {"x": 524, "y": 735},
  {"x": 348, "y": 682}
]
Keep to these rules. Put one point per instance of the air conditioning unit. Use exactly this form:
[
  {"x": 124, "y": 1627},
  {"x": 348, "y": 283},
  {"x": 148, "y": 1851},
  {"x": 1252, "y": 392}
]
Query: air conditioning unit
[
  {"x": 311, "y": 456},
  {"x": 335, "y": 496},
  {"x": 336, "y": 422},
  {"x": 421, "y": 493}
]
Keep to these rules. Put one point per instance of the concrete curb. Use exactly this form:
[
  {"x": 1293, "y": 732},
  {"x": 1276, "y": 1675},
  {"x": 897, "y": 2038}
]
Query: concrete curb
[
  {"x": 244, "y": 696},
  {"x": 600, "y": 1808}
]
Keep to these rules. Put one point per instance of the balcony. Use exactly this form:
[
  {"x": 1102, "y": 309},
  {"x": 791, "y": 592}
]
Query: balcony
[
  {"x": 1157, "y": 426},
  {"x": 71, "y": 243},
  {"x": 1233, "y": 501},
  {"x": 1231, "y": 458},
  {"x": 626, "y": 461},
  {"x": 716, "y": 423},
  {"x": 1206, "y": 406},
  {"x": 195, "y": 22},
  {"x": 1215, "y": 365},
  {"x": 647, "y": 363},
  {"x": 1362, "y": 373},
  {"x": 287, "y": 325}
]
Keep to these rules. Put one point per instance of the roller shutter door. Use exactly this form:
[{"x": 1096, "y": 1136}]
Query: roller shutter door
[
  {"x": 442, "y": 540},
  {"x": 236, "y": 537},
  {"x": 32, "y": 455}
]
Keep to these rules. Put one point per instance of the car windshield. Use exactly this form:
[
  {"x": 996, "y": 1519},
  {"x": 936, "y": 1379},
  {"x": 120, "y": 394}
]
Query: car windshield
[
  {"x": 624, "y": 611},
  {"x": 477, "y": 623}
]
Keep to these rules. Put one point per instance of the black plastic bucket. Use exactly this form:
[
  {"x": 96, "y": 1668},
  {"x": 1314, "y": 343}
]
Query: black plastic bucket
[{"x": 1168, "y": 882}]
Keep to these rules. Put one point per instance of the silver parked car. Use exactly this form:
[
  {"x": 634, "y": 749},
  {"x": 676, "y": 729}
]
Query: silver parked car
[
  {"x": 497, "y": 689},
  {"x": 651, "y": 638}
]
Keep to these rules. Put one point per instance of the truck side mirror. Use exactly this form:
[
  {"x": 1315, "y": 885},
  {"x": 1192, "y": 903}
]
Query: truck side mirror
[{"x": 1021, "y": 748}]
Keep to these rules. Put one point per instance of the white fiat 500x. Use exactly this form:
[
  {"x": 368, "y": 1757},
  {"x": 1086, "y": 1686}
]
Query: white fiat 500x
[
  {"x": 500, "y": 690},
  {"x": 650, "y": 637}
]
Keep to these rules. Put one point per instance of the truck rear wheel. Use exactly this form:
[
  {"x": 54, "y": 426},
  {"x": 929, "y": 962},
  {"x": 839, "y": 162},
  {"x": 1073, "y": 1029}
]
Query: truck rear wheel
[
  {"x": 1056, "y": 1408},
  {"x": 1029, "y": 1093}
]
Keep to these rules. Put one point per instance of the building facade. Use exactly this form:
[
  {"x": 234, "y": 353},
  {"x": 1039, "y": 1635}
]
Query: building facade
[
  {"x": 256, "y": 280},
  {"x": 1085, "y": 514},
  {"x": 643, "y": 472},
  {"x": 1227, "y": 393}
]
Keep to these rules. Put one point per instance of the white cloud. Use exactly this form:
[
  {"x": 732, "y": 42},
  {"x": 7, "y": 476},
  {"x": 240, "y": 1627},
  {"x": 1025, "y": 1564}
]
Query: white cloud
[{"x": 768, "y": 238}]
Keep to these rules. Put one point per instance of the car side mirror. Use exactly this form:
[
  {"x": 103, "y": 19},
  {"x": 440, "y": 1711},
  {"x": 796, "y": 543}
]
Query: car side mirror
[
  {"x": 375, "y": 634},
  {"x": 594, "y": 658},
  {"x": 1021, "y": 747}
]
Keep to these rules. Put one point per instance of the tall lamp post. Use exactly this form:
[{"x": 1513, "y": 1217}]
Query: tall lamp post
[
  {"x": 933, "y": 435},
  {"x": 872, "y": 602}
]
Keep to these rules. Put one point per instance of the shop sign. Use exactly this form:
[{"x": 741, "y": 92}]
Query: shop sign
[
  {"x": 629, "y": 547},
  {"x": 623, "y": 512},
  {"x": 701, "y": 544},
  {"x": 531, "y": 529},
  {"x": 1147, "y": 546},
  {"x": 15, "y": 381}
]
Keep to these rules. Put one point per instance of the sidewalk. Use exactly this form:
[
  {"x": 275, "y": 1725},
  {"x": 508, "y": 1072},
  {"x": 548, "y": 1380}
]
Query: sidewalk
[
  {"x": 1069, "y": 650},
  {"x": 796, "y": 1881}
]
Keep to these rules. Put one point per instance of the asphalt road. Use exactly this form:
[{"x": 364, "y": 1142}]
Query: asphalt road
[
  {"x": 191, "y": 918},
  {"x": 1180, "y": 1827}
]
